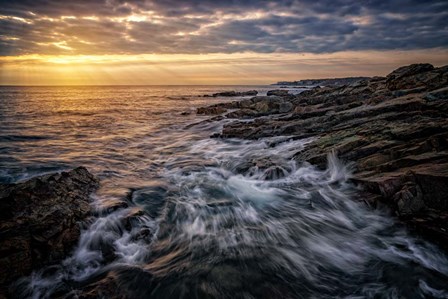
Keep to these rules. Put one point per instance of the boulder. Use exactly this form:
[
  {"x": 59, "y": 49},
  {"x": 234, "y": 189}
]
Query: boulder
[{"x": 40, "y": 220}]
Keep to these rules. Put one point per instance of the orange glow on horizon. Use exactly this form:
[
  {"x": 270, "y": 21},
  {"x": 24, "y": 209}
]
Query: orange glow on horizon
[{"x": 189, "y": 69}]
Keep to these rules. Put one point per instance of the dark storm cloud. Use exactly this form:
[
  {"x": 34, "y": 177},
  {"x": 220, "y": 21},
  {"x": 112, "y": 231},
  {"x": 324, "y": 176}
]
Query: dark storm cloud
[{"x": 193, "y": 26}]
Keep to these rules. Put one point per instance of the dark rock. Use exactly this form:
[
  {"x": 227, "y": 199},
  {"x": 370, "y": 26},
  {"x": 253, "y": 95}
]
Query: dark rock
[
  {"x": 40, "y": 220},
  {"x": 394, "y": 129},
  {"x": 213, "y": 110},
  {"x": 274, "y": 173},
  {"x": 235, "y": 93},
  {"x": 438, "y": 94},
  {"x": 285, "y": 107},
  {"x": 409, "y": 70},
  {"x": 242, "y": 113},
  {"x": 323, "y": 82},
  {"x": 277, "y": 92},
  {"x": 408, "y": 77},
  {"x": 118, "y": 283}
]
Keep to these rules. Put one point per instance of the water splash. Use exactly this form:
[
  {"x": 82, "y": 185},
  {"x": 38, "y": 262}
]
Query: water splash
[{"x": 180, "y": 215}]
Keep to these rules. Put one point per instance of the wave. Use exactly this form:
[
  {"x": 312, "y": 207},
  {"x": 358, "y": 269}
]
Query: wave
[{"x": 242, "y": 219}]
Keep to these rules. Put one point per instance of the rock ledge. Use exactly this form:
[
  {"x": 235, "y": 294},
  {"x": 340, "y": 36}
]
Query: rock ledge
[{"x": 40, "y": 220}]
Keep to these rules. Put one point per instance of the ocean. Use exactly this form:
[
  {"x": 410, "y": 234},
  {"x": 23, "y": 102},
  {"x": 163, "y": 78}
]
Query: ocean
[{"x": 195, "y": 225}]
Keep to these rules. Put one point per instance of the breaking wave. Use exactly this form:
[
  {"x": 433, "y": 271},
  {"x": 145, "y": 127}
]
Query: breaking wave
[{"x": 232, "y": 218}]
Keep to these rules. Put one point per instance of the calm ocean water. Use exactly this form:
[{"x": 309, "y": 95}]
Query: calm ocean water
[{"x": 195, "y": 226}]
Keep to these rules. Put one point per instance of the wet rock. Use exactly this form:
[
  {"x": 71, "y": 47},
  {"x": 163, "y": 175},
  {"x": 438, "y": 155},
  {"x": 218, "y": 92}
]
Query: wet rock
[
  {"x": 274, "y": 173},
  {"x": 235, "y": 93},
  {"x": 285, "y": 107},
  {"x": 213, "y": 110},
  {"x": 269, "y": 168},
  {"x": 409, "y": 199},
  {"x": 40, "y": 220},
  {"x": 394, "y": 129},
  {"x": 242, "y": 113},
  {"x": 271, "y": 105},
  {"x": 258, "y": 99},
  {"x": 277, "y": 92},
  {"x": 118, "y": 283},
  {"x": 438, "y": 94}
]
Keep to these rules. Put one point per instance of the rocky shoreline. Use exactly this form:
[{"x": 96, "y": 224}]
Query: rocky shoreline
[
  {"x": 393, "y": 129},
  {"x": 322, "y": 82}
]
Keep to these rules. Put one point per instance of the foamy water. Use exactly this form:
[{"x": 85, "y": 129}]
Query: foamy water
[{"x": 180, "y": 215}]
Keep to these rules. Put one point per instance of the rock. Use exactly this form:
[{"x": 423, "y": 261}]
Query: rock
[
  {"x": 323, "y": 82},
  {"x": 254, "y": 107},
  {"x": 249, "y": 93},
  {"x": 235, "y": 93},
  {"x": 264, "y": 107},
  {"x": 40, "y": 220},
  {"x": 270, "y": 105},
  {"x": 409, "y": 70},
  {"x": 266, "y": 99},
  {"x": 277, "y": 92},
  {"x": 115, "y": 283},
  {"x": 213, "y": 110},
  {"x": 409, "y": 199},
  {"x": 438, "y": 94},
  {"x": 407, "y": 77},
  {"x": 274, "y": 173},
  {"x": 285, "y": 107},
  {"x": 394, "y": 129},
  {"x": 242, "y": 113}
]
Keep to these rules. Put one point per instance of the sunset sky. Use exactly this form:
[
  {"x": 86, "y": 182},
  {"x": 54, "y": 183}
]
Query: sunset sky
[{"x": 214, "y": 42}]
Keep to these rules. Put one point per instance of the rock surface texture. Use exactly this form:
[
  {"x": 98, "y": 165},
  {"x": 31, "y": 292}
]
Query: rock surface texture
[
  {"x": 394, "y": 129},
  {"x": 40, "y": 221}
]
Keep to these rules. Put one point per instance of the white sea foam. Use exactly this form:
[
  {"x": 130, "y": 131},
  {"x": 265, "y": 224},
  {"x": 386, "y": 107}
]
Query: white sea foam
[{"x": 299, "y": 230}]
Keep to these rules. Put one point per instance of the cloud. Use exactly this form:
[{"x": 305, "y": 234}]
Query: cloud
[{"x": 200, "y": 27}]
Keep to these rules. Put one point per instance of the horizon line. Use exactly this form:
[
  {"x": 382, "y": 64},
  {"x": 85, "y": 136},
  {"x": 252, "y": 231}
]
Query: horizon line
[{"x": 73, "y": 85}]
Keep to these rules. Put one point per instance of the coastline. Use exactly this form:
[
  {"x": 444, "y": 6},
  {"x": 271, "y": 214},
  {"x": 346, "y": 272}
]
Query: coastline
[
  {"x": 393, "y": 130},
  {"x": 391, "y": 133}
]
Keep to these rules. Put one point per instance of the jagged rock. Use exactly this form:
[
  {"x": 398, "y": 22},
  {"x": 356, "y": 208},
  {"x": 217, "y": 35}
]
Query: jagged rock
[
  {"x": 394, "y": 129},
  {"x": 40, "y": 220},
  {"x": 409, "y": 70},
  {"x": 408, "y": 77}
]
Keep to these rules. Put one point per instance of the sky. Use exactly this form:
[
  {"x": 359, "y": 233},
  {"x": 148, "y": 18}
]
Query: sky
[{"x": 54, "y": 42}]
